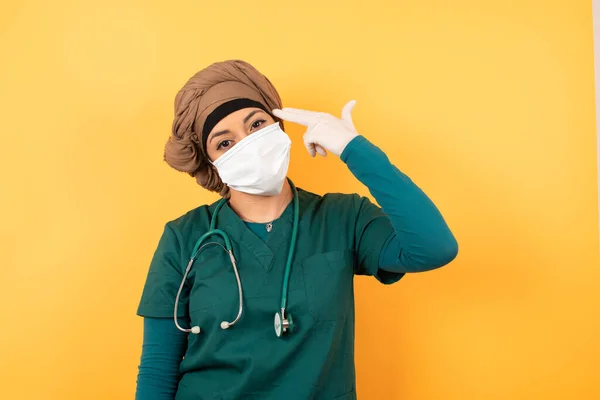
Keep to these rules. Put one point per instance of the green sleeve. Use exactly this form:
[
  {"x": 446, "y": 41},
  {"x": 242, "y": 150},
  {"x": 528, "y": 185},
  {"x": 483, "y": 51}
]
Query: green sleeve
[
  {"x": 372, "y": 232},
  {"x": 163, "y": 348},
  {"x": 408, "y": 233},
  {"x": 163, "y": 280}
]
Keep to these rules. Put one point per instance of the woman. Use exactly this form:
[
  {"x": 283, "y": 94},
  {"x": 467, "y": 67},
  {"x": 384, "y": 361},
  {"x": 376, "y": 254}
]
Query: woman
[{"x": 274, "y": 317}]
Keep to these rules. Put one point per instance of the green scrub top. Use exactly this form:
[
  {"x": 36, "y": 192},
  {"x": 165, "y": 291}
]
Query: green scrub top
[{"x": 339, "y": 236}]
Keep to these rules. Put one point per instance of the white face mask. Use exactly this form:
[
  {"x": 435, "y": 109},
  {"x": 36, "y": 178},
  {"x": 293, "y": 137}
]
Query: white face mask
[{"x": 258, "y": 164}]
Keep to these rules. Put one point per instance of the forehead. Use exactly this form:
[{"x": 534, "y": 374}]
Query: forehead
[{"x": 237, "y": 118}]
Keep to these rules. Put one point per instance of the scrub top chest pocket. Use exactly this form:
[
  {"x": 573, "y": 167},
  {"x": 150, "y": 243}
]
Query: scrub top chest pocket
[{"x": 328, "y": 279}]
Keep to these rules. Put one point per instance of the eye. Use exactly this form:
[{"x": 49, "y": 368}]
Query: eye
[
  {"x": 258, "y": 123},
  {"x": 224, "y": 144}
]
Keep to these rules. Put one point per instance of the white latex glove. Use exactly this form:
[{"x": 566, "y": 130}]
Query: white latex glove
[{"x": 325, "y": 132}]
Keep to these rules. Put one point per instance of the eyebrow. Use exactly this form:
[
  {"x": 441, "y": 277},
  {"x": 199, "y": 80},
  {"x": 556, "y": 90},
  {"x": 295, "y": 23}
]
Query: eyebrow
[
  {"x": 226, "y": 131},
  {"x": 251, "y": 115},
  {"x": 217, "y": 134}
]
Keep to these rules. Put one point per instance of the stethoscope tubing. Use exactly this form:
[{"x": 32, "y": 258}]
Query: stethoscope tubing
[{"x": 229, "y": 249}]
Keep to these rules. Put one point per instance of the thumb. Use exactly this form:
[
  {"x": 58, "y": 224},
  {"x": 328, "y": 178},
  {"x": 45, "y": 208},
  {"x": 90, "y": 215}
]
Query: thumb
[{"x": 347, "y": 111}]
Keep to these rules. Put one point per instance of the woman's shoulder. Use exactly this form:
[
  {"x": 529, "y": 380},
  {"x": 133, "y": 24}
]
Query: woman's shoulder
[
  {"x": 193, "y": 219},
  {"x": 329, "y": 200}
]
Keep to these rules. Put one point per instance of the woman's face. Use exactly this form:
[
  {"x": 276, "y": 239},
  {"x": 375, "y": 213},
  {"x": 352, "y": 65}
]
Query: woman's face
[{"x": 233, "y": 128}]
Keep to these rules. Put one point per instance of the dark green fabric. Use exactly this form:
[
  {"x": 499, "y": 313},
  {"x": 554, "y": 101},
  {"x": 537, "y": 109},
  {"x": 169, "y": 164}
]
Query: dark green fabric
[
  {"x": 162, "y": 350},
  {"x": 339, "y": 236},
  {"x": 259, "y": 230}
]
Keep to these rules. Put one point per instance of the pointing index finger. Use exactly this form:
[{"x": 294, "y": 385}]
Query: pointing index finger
[{"x": 295, "y": 115}]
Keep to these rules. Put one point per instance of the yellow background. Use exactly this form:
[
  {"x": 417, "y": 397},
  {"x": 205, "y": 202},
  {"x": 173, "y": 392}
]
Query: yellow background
[{"x": 488, "y": 106}]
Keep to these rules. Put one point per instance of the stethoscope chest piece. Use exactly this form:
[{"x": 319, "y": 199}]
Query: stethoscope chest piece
[{"x": 283, "y": 325}]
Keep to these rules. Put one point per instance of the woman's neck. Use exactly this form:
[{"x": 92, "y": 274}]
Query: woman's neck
[{"x": 260, "y": 209}]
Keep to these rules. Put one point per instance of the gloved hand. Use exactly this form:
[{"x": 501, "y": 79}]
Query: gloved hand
[{"x": 325, "y": 132}]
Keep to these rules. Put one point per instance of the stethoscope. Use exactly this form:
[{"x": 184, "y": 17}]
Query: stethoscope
[{"x": 283, "y": 323}]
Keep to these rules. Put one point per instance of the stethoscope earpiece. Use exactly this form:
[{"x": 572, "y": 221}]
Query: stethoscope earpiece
[{"x": 195, "y": 330}]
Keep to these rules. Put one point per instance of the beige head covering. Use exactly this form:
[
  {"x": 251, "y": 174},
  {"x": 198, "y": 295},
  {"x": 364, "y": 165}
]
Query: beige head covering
[{"x": 201, "y": 95}]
